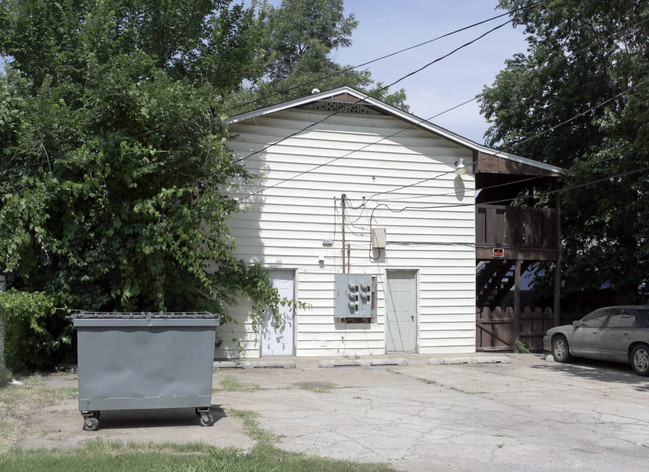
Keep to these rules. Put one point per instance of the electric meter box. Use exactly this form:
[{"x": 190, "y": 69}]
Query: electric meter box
[{"x": 353, "y": 296}]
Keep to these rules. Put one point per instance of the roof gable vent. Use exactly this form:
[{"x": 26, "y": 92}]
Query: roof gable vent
[{"x": 341, "y": 107}]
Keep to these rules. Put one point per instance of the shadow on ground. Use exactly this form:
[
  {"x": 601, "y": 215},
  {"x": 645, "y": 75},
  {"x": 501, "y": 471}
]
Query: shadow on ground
[
  {"x": 157, "y": 418},
  {"x": 600, "y": 371}
]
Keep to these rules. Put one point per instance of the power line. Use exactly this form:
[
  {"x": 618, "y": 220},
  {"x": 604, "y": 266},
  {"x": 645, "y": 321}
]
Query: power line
[
  {"x": 498, "y": 152},
  {"x": 441, "y": 206},
  {"x": 385, "y": 87},
  {"x": 506, "y": 149},
  {"x": 347, "y": 69},
  {"x": 265, "y": 148},
  {"x": 569, "y": 120},
  {"x": 506, "y": 200}
]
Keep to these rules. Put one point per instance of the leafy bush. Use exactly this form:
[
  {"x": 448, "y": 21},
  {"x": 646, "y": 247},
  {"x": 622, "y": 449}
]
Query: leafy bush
[{"x": 37, "y": 335}]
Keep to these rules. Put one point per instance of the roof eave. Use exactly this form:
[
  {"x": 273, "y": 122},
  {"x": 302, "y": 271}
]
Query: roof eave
[{"x": 412, "y": 119}]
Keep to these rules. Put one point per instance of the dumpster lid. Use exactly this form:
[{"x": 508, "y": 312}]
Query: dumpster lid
[{"x": 144, "y": 315}]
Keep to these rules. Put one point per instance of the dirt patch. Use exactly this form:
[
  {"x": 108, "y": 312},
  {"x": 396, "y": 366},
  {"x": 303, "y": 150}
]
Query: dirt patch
[{"x": 43, "y": 413}]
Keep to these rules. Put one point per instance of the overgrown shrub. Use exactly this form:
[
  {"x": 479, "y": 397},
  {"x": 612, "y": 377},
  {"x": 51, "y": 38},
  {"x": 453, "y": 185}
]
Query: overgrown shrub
[{"x": 37, "y": 335}]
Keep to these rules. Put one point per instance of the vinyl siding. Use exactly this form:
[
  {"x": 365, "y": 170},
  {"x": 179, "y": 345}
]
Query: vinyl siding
[{"x": 407, "y": 178}]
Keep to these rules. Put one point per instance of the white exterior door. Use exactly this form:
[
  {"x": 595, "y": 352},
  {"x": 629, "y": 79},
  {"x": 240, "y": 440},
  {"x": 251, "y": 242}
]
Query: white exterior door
[
  {"x": 401, "y": 311},
  {"x": 277, "y": 340}
]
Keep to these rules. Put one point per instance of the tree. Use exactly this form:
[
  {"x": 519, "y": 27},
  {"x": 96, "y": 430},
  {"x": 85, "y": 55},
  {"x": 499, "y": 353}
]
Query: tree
[
  {"x": 584, "y": 84},
  {"x": 301, "y": 34},
  {"x": 112, "y": 161},
  {"x": 296, "y": 40}
]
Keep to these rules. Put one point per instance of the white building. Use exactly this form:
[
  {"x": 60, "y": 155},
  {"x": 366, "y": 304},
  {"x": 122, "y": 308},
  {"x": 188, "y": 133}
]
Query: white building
[{"x": 398, "y": 176}]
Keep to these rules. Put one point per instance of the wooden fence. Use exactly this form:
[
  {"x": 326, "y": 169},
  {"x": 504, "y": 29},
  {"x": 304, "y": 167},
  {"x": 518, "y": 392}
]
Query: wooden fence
[{"x": 495, "y": 328}]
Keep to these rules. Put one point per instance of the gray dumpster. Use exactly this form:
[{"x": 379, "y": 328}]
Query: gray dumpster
[{"x": 145, "y": 361}]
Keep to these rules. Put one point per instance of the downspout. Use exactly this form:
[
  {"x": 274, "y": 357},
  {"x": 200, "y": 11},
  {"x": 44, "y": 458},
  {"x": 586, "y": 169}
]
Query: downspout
[{"x": 342, "y": 204}]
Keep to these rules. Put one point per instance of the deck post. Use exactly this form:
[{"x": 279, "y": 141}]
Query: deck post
[
  {"x": 517, "y": 303},
  {"x": 557, "y": 267}
]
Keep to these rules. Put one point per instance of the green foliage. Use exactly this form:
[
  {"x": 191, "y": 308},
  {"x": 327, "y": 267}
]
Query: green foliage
[
  {"x": 37, "y": 335},
  {"x": 582, "y": 54},
  {"x": 522, "y": 347},
  {"x": 113, "y": 155},
  {"x": 300, "y": 35},
  {"x": 232, "y": 384},
  {"x": 295, "y": 43}
]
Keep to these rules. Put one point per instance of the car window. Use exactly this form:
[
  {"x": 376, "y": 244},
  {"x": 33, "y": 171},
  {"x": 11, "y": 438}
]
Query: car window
[
  {"x": 595, "y": 319},
  {"x": 644, "y": 316},
  {"x": 621, "y": 319}
]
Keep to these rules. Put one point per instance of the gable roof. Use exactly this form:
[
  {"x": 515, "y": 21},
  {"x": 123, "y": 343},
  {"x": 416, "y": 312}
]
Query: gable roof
[{"x": 354, "y": 98}]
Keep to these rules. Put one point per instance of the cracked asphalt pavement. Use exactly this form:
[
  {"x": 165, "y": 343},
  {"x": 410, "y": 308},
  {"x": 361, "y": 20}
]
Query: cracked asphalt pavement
[{"x": 526, "y": 415}]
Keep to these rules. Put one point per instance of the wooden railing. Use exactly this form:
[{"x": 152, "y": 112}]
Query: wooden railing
[{"x": 521, "y": 228}]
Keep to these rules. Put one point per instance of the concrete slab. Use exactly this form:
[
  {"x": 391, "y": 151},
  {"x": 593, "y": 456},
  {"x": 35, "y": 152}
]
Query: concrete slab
[
  {"x": 330, "y": 363},
  {"x": 526, "y": 415},
  {"x": 469, "y": 360},
  {"x": 258, "y": 364}
]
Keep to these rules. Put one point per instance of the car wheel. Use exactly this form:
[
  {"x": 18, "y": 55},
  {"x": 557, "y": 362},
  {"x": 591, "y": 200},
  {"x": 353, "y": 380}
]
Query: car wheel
[
  {"x": 560, "y": 350},
  {"x": 640, "y": 359}
]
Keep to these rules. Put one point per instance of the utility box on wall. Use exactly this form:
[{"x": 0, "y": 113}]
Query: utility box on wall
[{"x": 353, "y": 296}]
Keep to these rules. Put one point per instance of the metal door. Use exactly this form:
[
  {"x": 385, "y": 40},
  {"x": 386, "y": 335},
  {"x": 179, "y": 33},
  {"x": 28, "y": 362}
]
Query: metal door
[
  {"x": 401, "y": 311},
  {"x": 615, "y": 338},
  {"x": 585, "y": 338},
  {"x": 277, "y": 339}
]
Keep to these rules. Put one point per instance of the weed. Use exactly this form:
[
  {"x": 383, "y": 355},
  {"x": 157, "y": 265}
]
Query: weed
[
  {"x": 427, "y": 381},
  {"x": 316, "y": 387},
  {"x": 522, "y": 347},
  {"x": 232, "y": 384},
  {"x": 479, "y": 392},
  {"x": 251, "y": 427},
  {"x": 434, "y": 382}
]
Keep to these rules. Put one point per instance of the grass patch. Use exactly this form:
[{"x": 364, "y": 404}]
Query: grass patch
[
  {"x": 316, "y": 387},
  {"x": 251, "y": 427},
  {"x": 232, "y": 384},
  {"x": 103, "y": 456}
]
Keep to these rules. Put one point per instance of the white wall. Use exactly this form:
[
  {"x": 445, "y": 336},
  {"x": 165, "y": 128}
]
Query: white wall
[{"x": 430, "y": 225}]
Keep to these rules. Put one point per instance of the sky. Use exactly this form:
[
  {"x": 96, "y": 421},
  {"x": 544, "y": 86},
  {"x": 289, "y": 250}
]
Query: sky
[{"x": 386, "y": 26}]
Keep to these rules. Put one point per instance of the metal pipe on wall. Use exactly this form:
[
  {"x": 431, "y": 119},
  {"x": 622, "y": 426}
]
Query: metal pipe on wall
[{"x": 342, "y": 204}]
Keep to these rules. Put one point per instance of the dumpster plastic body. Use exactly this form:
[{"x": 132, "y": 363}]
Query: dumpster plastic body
[{"x": 145, "y": 361}]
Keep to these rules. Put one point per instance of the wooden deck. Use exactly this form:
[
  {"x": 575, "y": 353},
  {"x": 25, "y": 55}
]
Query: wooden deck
[{"x": 522, "y": 233}]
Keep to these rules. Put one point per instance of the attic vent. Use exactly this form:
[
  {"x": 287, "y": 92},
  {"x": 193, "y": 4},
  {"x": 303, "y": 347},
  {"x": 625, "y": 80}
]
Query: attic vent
[{"x": 338, "y": 107}]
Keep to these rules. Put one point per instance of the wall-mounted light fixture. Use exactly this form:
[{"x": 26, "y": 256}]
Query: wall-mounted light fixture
[{"x": 460, "y": 168}]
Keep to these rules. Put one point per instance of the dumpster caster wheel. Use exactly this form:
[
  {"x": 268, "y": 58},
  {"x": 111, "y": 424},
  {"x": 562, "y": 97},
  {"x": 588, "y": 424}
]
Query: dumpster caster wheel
[
  {"x": 207, "y": 419},
  {"x": 95, "y": 414},
  {"x": 90, "y": 424}
]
